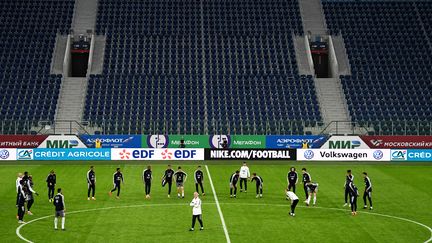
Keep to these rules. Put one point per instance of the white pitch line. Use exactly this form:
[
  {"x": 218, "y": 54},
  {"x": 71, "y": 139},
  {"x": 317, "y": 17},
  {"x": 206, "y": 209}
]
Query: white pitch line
[
  {"x": 239, "y": 204},
  {"x": 218, "y": 207},
  {"x": 18, "y": 229},
  {"x": 340, "y": 209}
]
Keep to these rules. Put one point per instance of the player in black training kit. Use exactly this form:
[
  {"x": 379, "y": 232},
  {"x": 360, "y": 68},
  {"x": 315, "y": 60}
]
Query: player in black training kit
[
  {"x": 91, "y": 183},
  {"x": 147, "y": 178},
  {"x": 349, "y": 178},
  {"x": 306, "y": 179},
  {"x": 168, "y": 178},
  {"x": 21, "y": 198},
  {"x": 51, "y": 181},
  {"x": 353, "y": 192},
  {"x": 368, "y": 191},
  {"x": 180, "y": 177},
  {"x": 199, "y": 179},
  {"x": 233, "y": 183},
  {"x": 259, "y": 184},
  {"x": 292, "y": 179},
  {"x": 30, "y": 196},
  {"x": 60, "y": 209},
  {"x": 117, "y": 180}
]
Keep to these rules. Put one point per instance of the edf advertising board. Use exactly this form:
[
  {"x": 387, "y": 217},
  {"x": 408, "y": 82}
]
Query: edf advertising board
[{"x": 157, "y": 154}]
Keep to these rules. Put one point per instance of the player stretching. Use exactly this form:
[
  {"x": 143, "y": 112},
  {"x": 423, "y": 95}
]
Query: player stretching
[
  {"x": 196, "y": 211},
  {"x": 51, "y": 182},
  {"x": 353, "y": 191},
  {"x": 259, "y": 184},
  {"x": 312, "y": 189},
  {"x": 233, "y": 183},
  {"x": 117, "y": 180},
  {"x": 168, "y": 178},
  {"x": 294, "y": 200},
  {"x": 244, "y": 176},
  {"x": 306, "y": 179},
  {"x": 368, "y": 191},
  {"x": 60, "y": 209},
  {"x": 180, "y": 177},
  {"x": 147, "y": 178},
  {"x": 91, "y": 183},
  {"x": 199, "y": 179},
  {"x": 349, "y": 178},
  {"x": 292, "y": 179}
]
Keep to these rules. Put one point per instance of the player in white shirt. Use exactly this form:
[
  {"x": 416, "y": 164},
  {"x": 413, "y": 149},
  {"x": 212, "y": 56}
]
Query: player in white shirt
[
  {"x": 244, "y": 176},
  {"x": 196, "y": 211},
  {"x": 17, "y": 182},
  {"x": 294, "y": 200}
]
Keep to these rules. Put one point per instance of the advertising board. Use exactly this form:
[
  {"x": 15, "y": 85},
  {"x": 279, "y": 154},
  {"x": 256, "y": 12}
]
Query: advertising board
[
  {"x": 250, "y": 154},
  {"x": 345, "y": 142},
  {"x": 157, "y": 154},
  {"x": 343, "y": 155}
]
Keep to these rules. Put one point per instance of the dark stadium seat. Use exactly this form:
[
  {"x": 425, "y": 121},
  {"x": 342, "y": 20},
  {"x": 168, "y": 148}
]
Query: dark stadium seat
[
  {"x": 195, "y": 67},
  {"x": 392, "y": 92},
  {"x": 28, "y": 31}
]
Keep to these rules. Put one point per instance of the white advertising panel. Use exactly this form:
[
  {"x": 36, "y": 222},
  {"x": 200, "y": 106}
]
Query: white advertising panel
[
  {"x": 7, "y": 154},
  {"x": 343, "y": 154},
  {"x": 157, "y": 154}
]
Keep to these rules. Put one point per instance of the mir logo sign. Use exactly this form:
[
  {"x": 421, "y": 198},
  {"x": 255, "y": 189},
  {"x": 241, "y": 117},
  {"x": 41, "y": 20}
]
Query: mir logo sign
[
  {"x": 344, "y": 144},
  {"x": 62, "y": 143}
]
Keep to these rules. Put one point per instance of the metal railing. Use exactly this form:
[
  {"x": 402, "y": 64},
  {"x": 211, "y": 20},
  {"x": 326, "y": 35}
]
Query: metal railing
[{"x": 196, "y": 127}]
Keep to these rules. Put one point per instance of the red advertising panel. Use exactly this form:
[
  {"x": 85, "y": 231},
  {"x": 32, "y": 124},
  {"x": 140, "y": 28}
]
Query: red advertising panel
[
  {"x": 21, "y": 141},
  {"x": 398, "y": 142}
]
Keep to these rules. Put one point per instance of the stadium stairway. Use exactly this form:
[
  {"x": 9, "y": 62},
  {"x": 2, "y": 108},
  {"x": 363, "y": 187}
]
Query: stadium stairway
[
  {"x": 84, "y": 16},
  {"x": 313, "y": 17},
  {"x": 68, "y": 118},
  {"x": 333, "y": 105},
  {"x": 71, "y": 103},
  {"x": 329, "y": 90}
]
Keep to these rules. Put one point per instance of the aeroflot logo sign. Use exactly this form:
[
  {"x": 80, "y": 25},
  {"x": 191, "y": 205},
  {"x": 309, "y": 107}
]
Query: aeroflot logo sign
[{"x": 157, "y": 154}]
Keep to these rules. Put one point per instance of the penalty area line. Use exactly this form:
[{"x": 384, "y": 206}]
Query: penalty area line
[{"x": 218, "y": 206}]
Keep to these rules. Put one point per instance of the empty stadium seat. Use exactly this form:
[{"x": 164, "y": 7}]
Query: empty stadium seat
[
  {"x": 388, "y": 45},
  {"x": 191, "y": 67},
  {"x": 28, "y": 30}
]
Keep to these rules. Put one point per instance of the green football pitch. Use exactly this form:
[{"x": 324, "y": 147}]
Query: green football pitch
[{"x": 401, "y": 192}]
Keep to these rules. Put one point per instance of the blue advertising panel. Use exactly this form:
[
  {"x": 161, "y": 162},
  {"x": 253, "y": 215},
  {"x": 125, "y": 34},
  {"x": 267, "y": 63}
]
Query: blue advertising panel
[
  {"x": 278, "y": 142},
  {"x": 112, "y": 141},
  {"x": 411, "y": 155},
  {"x": 72, "y": 154}
]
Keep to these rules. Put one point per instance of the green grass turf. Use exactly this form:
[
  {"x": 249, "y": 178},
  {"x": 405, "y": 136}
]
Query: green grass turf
[{"x": 399, "y": 190}]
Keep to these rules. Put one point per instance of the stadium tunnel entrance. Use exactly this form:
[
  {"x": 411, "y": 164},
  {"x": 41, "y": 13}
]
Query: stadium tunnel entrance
[{"x": 79, "y": 53}]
